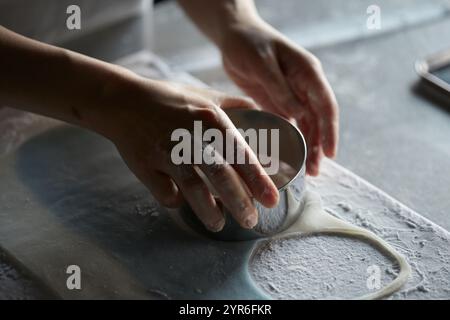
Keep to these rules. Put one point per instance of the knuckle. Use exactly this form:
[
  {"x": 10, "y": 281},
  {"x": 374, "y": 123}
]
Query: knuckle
[
  {"x": 244, "y": 206},
  {"x": 239, "y": 100},
  {"x": 190, "y": 108},
  {"x": 208, "y": 114}
]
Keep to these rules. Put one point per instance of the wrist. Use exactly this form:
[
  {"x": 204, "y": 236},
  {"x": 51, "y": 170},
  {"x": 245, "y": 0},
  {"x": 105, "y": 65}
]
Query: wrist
[
  {"x": 245, "y": 29},
  {"x": 235, "y": 16},
  {"x": 101, "y": 92}
]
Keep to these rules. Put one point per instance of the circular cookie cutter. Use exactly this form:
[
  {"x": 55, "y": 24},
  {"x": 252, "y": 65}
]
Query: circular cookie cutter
[{"x": 289, "y": 179}]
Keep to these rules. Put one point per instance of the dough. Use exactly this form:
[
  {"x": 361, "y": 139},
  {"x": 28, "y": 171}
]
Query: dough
[{"x": 314, "y": 220}]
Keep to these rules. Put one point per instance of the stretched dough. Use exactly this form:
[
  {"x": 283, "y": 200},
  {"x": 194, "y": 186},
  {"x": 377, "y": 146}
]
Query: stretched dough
[{"x": 314, "y": 219}]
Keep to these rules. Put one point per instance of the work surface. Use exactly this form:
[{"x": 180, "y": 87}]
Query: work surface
[{"x": 67, "y": 198}]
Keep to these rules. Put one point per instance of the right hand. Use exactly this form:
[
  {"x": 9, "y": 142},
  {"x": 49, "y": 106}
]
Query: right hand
[{"x": 140, "y": 120}]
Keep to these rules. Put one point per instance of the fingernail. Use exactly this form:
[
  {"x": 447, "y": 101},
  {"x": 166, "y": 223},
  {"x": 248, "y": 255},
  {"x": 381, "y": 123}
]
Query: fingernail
[
  {"x": 217, "y": 226},
  {"x": 251, "y": 221}
]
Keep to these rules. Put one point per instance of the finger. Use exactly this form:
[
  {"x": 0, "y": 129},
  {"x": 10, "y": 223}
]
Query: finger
[
  {"x": 199, "y": 197},
  {"x": 161, "y": 186},
  {"x": 231, "y": 191},
  {"x": 257, "y": 92},
  {"x": 317, "y": 126},
  {"x": 225, "y": 100},
  {"x": 322, "y": 98},
  {"x": 311, "y": 132},
  {"x": 164, "y": 189},
  {"x": 308, "y": 81},
  {"x": 253, "y": 90},
  {"x": 245, "y": 162},
  {"x": 272, "y": 79},
  {"x": 261, "y": 97},
  {"x": 258, "y": 181},
  {"x": 310, "y": 169}
]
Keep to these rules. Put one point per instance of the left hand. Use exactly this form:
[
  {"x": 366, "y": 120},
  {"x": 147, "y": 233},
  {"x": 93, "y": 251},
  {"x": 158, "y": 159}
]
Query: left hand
[{"x": 284, "y": 79}]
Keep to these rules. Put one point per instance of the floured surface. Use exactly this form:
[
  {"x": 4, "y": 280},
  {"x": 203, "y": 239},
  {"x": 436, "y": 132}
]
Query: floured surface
[
  {"x": 318, "y": 267},
  {"x": 425, "y": 245},
  {"x": 67, "y": 198},
  {"x": 334, "y": 258},
  {"x": 15, "y": 285}
]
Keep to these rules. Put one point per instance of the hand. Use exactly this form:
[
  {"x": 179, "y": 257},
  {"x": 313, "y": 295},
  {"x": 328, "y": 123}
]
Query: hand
[
  {"x": 139, "y": 116},
  {"x": 140, "y": 122},
  {"x": 284, "y": 79}
]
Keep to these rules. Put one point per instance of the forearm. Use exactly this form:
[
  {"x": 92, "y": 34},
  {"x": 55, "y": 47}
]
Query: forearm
[
  {"x": 54, "y": 82},
  {"x": 216, "y": 17}
]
